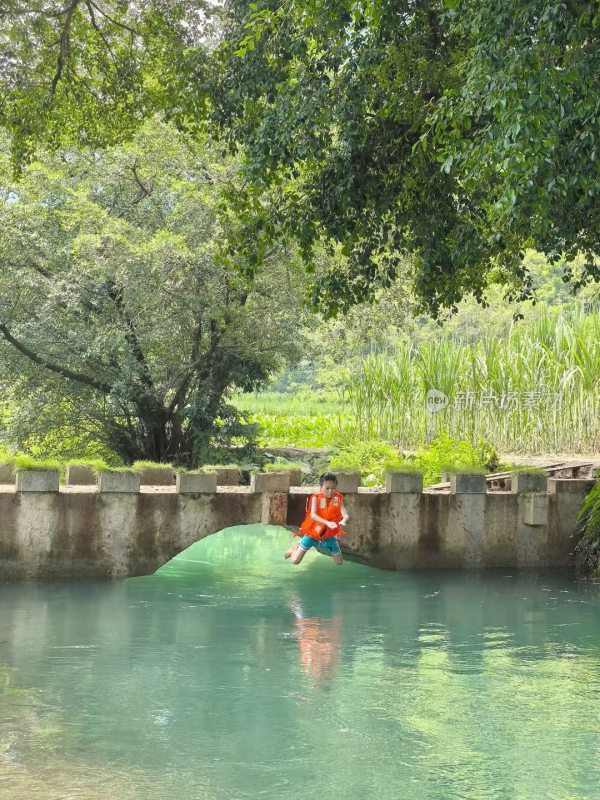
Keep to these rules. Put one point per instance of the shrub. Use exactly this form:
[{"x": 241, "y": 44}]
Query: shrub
[
  {"x": 139, "y": 466},
  {"x": 403, "y": 467},
  {"x": 448, "y": 454},
  {"x": 283, "y": 466},
  {"x": 213, "y": 467},
  {"x": 118, "y": 469},
  {"x": 371, "y": 458},
  {"x": 95, "y": 464},
  {"x": 522, "y": 469}
]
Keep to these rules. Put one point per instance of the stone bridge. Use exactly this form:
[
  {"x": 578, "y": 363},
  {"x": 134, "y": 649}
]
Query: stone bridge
[{"x": 117, "y": 528}]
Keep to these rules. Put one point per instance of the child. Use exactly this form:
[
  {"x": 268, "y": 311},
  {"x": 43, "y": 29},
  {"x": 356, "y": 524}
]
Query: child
[{"x": 324, "y": 518}]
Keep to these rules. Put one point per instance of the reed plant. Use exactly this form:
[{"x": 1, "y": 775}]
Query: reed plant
[{"x": 536, "y": 390}]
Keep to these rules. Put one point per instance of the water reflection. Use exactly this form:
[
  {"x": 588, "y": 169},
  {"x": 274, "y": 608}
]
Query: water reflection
[
  {"x": 319, "y": 642},
  {"x": 230, "y": 674}
]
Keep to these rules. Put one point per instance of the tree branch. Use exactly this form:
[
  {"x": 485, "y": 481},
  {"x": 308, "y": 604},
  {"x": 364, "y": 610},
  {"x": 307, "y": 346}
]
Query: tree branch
[
  {"x": 145, "y": 192},
  {"x": 45, "y": 273},
  {"x": 132, "y": 31},
  {"x": 98, "y": 30},
  {"x": 78, "y": 377},
  {"x": 116, "y": 296},
  {"x": 185, "y": 381},
  {"x": 64, "y": 43}
]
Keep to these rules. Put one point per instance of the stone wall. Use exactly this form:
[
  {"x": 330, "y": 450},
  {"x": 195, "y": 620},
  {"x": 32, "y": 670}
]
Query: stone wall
[{"x": 78, "y": 532}]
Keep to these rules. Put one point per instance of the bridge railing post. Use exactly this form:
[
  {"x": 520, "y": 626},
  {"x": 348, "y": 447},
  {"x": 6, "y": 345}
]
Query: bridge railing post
[
  {"x": 273, "y": 509},
  {"x": 274, "y": 488}
]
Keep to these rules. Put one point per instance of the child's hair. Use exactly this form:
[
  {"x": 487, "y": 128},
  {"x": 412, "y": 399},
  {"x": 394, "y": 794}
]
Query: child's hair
[{"x": 327, "y": 476}]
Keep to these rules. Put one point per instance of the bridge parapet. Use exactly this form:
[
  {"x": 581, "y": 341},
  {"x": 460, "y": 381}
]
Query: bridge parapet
[{"x": 80, "y": 532}]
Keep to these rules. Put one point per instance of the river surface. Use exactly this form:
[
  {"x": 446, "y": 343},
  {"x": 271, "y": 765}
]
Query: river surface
[{"x": 233, "y": 674}]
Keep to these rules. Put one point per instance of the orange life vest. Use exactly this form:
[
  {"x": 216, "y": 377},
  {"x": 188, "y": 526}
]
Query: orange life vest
[{"x": 327, "y": 508}]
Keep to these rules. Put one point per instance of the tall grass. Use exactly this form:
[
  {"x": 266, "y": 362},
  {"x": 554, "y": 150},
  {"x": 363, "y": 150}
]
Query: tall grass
[
  {"x": 306, "y": 419},
  {"x": 536, "y": 390},
  {"x": 303, "y": 430},
  {"x": 303, "y": 403}
]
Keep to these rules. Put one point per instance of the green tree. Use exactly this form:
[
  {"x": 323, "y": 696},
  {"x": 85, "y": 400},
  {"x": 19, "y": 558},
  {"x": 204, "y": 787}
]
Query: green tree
[
  {"x": 120, "y": 315},
  {"x": 455, "y": 132},
  {"x": 89, "y": 72},
  {"x": 452, "y": 133}
]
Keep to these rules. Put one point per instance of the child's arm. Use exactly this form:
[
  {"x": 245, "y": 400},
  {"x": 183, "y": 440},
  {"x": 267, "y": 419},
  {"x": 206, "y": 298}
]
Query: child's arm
[
  {"x": 345, "y": 517},
  {"x": 316, "y": 518}
]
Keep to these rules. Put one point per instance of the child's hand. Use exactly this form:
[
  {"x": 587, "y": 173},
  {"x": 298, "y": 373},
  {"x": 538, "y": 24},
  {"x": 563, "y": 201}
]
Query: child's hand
[
  {"x": 331, "y": 525},
  {"x": 344, "y": 522}
]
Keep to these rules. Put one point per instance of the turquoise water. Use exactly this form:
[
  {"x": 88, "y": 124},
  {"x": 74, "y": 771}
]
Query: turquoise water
[{"x": 233, "y": 674}]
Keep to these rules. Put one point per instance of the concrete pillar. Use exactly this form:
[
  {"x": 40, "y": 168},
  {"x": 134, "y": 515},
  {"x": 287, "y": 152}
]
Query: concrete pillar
[
  {"x": 270, "y": 482},
  {"x": 38, "y": 480},
  {"x": 347, "y": 482},
  {"x": 274, "y": 507},
  {"x": 501, "y": 530},
  {"x": 566, "y": 496},
  {"x": 81, "y": 475},
  {"x": 117, "y": 516},
  {"x": 157, "y": 476},
  {"x": 196, "y": 482},
  {"x": 404, "y": 482},
  {"x": 295, "y": 477},
  {"x": 465, "y": 531},
  {"x": 528, "y": 482},
  {"x": 467, "y": 483},
  {"x": 535, "y": 509},
  {"x": 38, "y": 525},
  {"x": 531, "y": 538},
  {"x": 116, "y": 481},
  {"x": 579, "y": 486},
  {"x": 7, "y": 473},
  {"x": 400, "y": 529}
]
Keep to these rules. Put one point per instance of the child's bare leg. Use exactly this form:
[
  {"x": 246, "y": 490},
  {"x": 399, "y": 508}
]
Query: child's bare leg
[
  {"x": 338, "y": 559},
  {"x": 298, "y": 555}
]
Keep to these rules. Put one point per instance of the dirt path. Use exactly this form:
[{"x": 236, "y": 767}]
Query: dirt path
[{"x": 549, "y": 459}]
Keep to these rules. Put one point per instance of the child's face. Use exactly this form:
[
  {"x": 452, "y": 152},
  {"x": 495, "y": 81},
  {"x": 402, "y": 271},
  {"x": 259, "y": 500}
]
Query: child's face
[{"x": 328, "y": 488}]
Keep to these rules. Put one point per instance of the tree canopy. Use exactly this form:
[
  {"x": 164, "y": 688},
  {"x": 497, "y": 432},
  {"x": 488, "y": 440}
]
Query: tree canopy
[
  {"x": 450, "y": 133},
  {"x": 89, "y": 72},
  {"x": 456, "y": 133}
]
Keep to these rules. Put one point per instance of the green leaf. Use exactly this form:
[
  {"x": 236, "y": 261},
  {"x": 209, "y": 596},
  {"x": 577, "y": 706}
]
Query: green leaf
[{"x": 447, "y": 165}]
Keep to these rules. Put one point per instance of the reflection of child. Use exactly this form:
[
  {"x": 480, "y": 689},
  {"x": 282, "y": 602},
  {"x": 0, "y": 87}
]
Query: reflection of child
[
  {"x": 319, "y": 641},
  {"x": 324, "y": 517}
]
